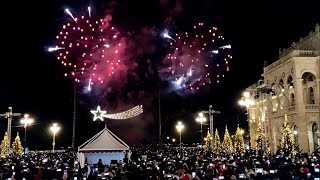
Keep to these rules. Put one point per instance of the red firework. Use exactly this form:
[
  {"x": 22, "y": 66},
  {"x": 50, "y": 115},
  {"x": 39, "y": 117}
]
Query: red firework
[
  {"x": 89, "y": 48},
  {"x": 196, "y": 58}
]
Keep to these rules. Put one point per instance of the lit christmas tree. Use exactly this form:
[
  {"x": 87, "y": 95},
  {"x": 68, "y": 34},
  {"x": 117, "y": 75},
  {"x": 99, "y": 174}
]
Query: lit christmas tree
[
  {"x": 287, "y": 143},
  {"x": 227, "y": 142},
  {"x": 216, "y": 143},
  {"x": 239, "y": 146},
  {"x": 5, "y": 145},
  {"x": 207, "y": 140},
  {"x": 16, "y": 145},
  {"x": 262, "y": 142}
]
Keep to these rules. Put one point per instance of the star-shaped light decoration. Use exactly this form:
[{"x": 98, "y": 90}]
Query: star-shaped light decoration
[{"x": 98, "y": 114}]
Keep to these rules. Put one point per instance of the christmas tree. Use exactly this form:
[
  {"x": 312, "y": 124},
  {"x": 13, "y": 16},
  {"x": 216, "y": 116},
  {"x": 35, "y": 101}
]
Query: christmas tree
[
  {"x": 5, "y": 145},
  {"x": 239, "y": 146},
  {"x": 216, "y": 143},
  {"x": 262, "y": 142},
  {"x": 16, "y": 145},
  {"x": 227, "y": 142},
  {"x": 207, "y": 140},
  {"x": 287, "y": 143}
]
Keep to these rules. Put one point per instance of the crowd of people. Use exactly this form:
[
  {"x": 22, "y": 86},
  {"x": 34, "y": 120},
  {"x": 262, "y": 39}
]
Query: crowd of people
[{"x": 165, "y": 163}]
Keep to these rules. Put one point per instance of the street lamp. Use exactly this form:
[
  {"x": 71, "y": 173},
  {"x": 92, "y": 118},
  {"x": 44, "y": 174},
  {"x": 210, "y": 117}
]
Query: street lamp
[
  {"x": 54, "y": 128},
  {"x": 295, "y": 136},
  {"x": 26, "y": 120},
  {"x": 201, "y": 119},
  {"x": 247, "y": 102},
  {"x": 179, "y": 128},
  {"x": 173, "y": 140}
]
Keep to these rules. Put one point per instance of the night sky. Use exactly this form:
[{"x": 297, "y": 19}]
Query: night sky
[{"x": 32, "y": 80}]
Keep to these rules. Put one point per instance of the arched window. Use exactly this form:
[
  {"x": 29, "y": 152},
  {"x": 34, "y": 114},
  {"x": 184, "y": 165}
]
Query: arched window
[
  {"x": 292, "y": 99},
  {"x": 290, "y": 82},
  {"x": 307, "y": 77},
  {"x": 310, "y": 77},
  {"x": 315, "y": 136},
  {"x": 281, "y": 82},
  {"x": 310, "y": 96},
  {"x": 295, "y": 135},
  {"x": 273, "y": 89}
]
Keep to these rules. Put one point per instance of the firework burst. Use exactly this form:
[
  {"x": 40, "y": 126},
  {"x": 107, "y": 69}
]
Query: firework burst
[
  {"x": 195, "y": 59},
  {"x": 89, "y": 49}
]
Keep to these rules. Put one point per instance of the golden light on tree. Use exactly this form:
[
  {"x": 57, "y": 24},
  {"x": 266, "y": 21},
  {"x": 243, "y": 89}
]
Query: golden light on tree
[
  {"x": 287, "y": 143},
  {"x": 239, "y": 146},
  {"x": 216, "y": 142},
  {"x": 261, "y": 140},
  {"x": 207, "y": 141},
  {"x": 227, "y": 142},
  {"x": 5, "y": 145},
  {"x": 16, "y": 145}
]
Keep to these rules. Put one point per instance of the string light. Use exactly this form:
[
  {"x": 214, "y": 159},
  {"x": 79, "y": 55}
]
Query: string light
[{"x": 99, "y": 114}]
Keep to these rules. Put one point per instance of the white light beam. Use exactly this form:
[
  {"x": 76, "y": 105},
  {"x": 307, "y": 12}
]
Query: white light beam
[
  {"x": 89, "y": 11},
  {"x": 51, "y": 49},
  {"x": 69, "y": 13},
  {"x": 89, "y": 85},
  {"x": 226, "y": 47}
]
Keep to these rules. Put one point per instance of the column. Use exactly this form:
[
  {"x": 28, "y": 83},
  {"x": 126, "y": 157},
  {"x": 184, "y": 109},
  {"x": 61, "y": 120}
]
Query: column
[{"x": 300, "y": 118}]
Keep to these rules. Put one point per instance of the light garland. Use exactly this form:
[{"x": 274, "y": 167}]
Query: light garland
[{"x": 99, "y": 114}]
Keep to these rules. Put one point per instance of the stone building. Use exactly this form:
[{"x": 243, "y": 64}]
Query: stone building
[{"x": 290, "y": 86}]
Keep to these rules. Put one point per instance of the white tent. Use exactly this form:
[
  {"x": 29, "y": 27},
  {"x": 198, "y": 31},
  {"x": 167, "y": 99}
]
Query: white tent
[{"x": 105, "y": 146}]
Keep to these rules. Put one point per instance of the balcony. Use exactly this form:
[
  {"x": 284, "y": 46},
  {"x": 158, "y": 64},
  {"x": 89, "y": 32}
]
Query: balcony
[
  {"x": 311, "y": 106},
  {"x": 291, "y": 108}
]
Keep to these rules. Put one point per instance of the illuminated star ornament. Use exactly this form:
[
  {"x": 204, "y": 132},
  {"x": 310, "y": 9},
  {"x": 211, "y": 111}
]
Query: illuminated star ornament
[
  {"x": 98, "y": 114},
  {"x": 135, "y": 111}
]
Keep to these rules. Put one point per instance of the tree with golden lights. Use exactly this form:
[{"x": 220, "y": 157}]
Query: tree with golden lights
[
  {"x": 239, "y": 146},
  {"x": 16, "y": 146},
  {"x": 261, "y": 140},
  {"x": 287, "y": 143},
  {"x": 5, "y": 145},
  {"x": 207, "y": 141},
  {"x": 227, "y": 142},
  {"x": 216, "y": 142}
]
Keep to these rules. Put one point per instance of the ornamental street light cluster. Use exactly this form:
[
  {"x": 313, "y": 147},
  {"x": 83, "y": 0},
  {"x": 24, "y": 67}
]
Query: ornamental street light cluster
[
  {"x": 26, "y": 120},
  {"x": 179, "y": 128},
  {"x": 55, "y": 129},
  {"x": 247, "y": 102},
  {"x": 201, "y": 119}
]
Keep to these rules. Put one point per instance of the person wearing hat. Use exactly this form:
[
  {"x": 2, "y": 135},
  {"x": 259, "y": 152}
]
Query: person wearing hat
[{"x": 233, "y": 177}]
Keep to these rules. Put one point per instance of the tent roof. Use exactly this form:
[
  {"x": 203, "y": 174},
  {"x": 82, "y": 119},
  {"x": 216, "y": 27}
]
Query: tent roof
[{"x": 105, "y": 140}]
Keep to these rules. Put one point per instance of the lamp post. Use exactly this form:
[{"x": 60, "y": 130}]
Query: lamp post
[
  {"x": 247, "y": 102},
  {"x": 54, "y": 128},
  {"x": 26, "y": 120},
  {"x": 201, "y": 119},
  {"x": 295, "y": 135},
  {"x": 179, "y": 128}
]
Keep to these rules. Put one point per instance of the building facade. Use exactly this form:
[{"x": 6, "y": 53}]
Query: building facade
[{"x": 290, "y": 86}]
